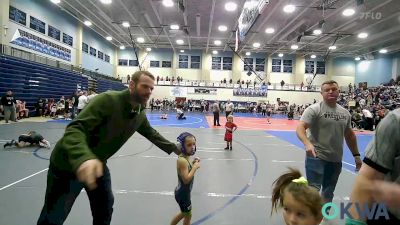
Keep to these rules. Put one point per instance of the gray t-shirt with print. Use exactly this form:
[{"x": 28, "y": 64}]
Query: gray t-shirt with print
[
  {"x": 383, "y": 152},
  {"x": 327, "y": 126}
]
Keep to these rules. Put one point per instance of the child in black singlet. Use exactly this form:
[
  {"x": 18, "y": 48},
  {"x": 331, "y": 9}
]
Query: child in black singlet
[{"x": 186, "y": 171}]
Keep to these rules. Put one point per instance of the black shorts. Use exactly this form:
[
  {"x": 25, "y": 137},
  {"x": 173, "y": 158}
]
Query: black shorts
[
  {"x": 27, "y": 139},
  {"x": 184, "y": 202},
  {"x": 268, "y": 113}
]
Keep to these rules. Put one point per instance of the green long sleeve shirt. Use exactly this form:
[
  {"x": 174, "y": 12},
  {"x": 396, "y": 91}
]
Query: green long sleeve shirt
[{"x": 100, "y": 130}]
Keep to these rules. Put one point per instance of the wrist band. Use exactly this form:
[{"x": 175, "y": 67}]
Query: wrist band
[{"x": 355, "y": 155}]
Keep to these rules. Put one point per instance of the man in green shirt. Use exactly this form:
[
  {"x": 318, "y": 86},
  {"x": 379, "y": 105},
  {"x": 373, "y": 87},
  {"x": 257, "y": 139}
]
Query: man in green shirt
[{"x": 79, "y": 157}]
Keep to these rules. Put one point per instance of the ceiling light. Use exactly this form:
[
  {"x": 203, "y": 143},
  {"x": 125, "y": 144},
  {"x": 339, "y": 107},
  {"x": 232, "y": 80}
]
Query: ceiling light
[
  {"x": 122, "y": 47},
  {"x": 269, "y": 30},
  {"x": 294, "y": 47},
  {"x": 88, "y": 23},
  {"x": 289, "y": 8},
  {"x": 106, "y": 2},
  {"x": 125, "y": 24},
  {"x": 109, "y": 38},
  {"x": 179, "y": 42},
  {"x": 230, "y": 6},
  {"x": 362, "y": 35},
  {"x": 313, "y": 56},
  {"x": 280, "y": 55},
  {"x": 357, "y": 58},
  {"x": 148, "y": 49},
  {"x": 222, "y": 28},
  {"x": 256, "y": 45},
  {"x": 55, "y": 1},
  {"x": 182, "y": 51},
  {"x": 333, "y": 47},
  {"x": 168, "y": 3},
  {"x": 348, "y": 12},
  {"x": 383, "y": 51},
  {"x": 174, "y": 27},
  {"x": 217, "y": 42},
  {"x": 317, "y": 32},
  {"x": 248, "y": 53},
  {"x": 140, "y": 39},
  {"x": 215, "y": 52}
]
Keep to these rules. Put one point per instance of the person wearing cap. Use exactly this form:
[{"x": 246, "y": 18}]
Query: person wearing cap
[
  {"x": 186, "y": 170},
  {"x": 79, "y": 158}
]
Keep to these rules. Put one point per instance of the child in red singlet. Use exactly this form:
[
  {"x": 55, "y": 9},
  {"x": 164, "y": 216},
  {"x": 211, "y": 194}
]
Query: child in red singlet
[{"x": 230, "y": 128}]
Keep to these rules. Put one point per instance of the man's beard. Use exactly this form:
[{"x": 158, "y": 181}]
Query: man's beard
[{"x": 137, "y": 98}]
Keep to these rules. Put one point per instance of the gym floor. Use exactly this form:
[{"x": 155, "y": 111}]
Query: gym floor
[{"x": 231, "y": 187}]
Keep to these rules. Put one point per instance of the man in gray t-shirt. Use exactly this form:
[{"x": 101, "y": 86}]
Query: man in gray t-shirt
[
  {"x": 327, "y": 124},
  {"x": 379, "y": 177}
]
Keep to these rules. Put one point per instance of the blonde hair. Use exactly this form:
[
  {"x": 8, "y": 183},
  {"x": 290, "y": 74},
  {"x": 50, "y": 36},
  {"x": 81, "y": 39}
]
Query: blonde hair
[
  {"x": 229, "y": 116},
  {"x": 306, "y": 195}
]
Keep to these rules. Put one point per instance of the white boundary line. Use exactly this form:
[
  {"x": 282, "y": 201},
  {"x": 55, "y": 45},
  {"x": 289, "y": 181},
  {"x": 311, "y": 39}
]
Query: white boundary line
[{"x": 16, "y": 182}]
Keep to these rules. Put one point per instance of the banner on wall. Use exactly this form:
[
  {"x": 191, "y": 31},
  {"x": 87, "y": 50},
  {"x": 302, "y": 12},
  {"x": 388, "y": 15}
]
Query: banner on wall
[
  {"x": 195, "y": 90},
  {"x": 31, "y": 41},
  {"x": 250, "y": 92},
  {"x": 178, "y": 91}
]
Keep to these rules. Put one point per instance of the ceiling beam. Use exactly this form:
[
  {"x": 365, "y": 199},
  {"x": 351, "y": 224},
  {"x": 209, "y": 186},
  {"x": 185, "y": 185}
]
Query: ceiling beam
[
  {"x": 210, "y": 24},
  {"x": 160, "y": 21},
  {"x": 316, "y": 24},
  {"x": 95, "y": 23}
]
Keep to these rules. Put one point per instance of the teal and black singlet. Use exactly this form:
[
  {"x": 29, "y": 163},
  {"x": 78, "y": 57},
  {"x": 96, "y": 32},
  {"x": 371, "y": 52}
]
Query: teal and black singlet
[{"x": 182, "y": 192}]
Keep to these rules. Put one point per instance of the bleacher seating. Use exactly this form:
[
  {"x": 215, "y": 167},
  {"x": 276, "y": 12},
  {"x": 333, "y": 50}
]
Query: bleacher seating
[
  {"x": 105, "y": 85},
  {"x": 29, "y": 80}
]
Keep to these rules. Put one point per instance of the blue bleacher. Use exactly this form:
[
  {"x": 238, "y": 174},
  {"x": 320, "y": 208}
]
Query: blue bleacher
[{"x": 30, "y": 80}]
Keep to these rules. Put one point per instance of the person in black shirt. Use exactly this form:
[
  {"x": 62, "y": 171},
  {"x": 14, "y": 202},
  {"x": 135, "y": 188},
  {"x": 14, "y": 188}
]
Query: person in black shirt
[{"x": 8, "y": 102}]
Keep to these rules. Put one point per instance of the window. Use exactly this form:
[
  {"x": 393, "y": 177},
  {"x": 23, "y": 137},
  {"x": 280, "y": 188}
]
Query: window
[
  {"x": 287, "y": 66},
  {"x": 107, "y": 58},
  {"x": 260, "y": 64},
  {"x": 216, "y": 63},
  {"x": 276, "y": 65},
  {"x": 227, "y": 63},
  {"x": 248, "y": 64},
  {"x": 85, "y": 47},
  {"x": 320, "y": 67},
  {"x": 133, "y": 63},
  {"x": 309, "y": 67},
  {"x": 154, "y": 63},
  {"x": 122, "y": 62},
  {"x": 166, "y": 64},
  {"x": 100, "y": 55},
  {"x": 93, "y": 51},
  {"x": 195, "y": 62},
  {"x": 183, "y": 61}
]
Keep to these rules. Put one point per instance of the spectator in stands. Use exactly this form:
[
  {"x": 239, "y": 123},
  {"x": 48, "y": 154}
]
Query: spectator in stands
[
  {"x": 128, "y": 78},
  {"x": 82, "y": 101},
  {"x": 91, "y": 95},
  {"x": 9, "y": 106},
  {"x": 230, "y": 81},
  {"x": 302, "y": 85},
  {"x": 40, "y": 107},
  {"x": 158, "y": 78},
  {"x": 282, "y": 83},
  {"x": 368, "y": 119},
  {"x": 350, "y": 86},
  {"x": 74, "y": 102},
  {"x": 23, "y": 111}
]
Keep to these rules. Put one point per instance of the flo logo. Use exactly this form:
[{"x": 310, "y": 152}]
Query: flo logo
[{"x": 375, "y": 212}]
